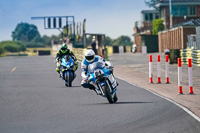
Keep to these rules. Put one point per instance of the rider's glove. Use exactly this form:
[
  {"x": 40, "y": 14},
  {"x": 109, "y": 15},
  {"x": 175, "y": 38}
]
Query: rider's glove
[
  {"x": 109, "y": 65},
  {"x": 74, "y": 58}
]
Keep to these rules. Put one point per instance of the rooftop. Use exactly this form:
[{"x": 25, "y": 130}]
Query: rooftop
[
  {"x": 181, "y": 0},
  {"x": 196, "y": 22},
  {"x": 192, "y": 22},
  {"x": 149, "y": 11}
]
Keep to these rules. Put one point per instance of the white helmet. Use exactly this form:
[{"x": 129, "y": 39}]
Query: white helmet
[{"x": 89, "y": 55}]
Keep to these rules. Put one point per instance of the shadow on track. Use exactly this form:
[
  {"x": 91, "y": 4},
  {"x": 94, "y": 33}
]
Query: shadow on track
[
  {"x": 119, "y": 103},
  {"x": 75, "y": 86},
  {"x": 69, "y": 87},
  {"x": 131, "y": 102}
]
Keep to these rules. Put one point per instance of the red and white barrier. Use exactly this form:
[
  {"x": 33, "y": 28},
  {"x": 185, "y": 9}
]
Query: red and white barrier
[
  {"x": 190, "y": 76},
  {"x": 167, "y": 68},
  {"x": 150, "y": 69},
  {"x": 158, "y": 69},
  {"x": 180, "y": 76}
]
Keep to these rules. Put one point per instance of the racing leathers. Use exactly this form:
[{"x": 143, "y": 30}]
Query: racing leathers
[
  {"x": 60, "y": 55},
  {"x": 84, "y": 67}
]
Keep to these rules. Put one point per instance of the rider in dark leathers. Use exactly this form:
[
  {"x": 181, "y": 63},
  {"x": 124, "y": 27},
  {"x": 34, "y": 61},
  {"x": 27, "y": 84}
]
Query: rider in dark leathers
[{"x": 62, "y": 52}]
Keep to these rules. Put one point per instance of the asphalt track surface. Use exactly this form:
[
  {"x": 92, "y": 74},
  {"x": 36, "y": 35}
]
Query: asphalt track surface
[{"x": 34, "y": 100}]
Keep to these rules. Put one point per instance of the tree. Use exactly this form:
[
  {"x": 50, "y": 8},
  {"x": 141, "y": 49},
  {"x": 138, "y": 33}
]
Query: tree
[
  {"x": 108, "y": 41},
  {"x": 46, "y": 40},
  {"x": 157, "y": 26},
  {"x": 1, "y": 50},
  {"x": 25, "y": 32},
  {"x": 89, "y": 40},
  {"x": 152, "y": 3},
  {"x": 37, "y": 39},
  {"x": 12, "y": 46},
  {"x": 123, "y": 41}
]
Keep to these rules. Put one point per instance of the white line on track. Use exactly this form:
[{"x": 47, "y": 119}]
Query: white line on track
[
  {"x": 13, "y": 70},
  {"x": 177, "y": 104}
]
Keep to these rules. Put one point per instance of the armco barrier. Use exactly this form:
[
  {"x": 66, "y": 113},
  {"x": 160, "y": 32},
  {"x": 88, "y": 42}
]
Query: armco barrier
[
  {"x": 80, "y": 52},
  {"x": 128, "y": 48},
  {"x": 115, "y": 49},
  {"x": 109, "y": 50},
  {"x": 43, "y": 52}
]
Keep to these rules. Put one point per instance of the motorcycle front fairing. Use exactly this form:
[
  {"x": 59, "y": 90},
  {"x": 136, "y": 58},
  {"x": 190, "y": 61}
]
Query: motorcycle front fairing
[
  {"x": 106, "y": 73},
  {"x": 67, "y": 66}
]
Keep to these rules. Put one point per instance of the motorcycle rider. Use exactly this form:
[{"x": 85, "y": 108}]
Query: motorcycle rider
[
  {"x": 90, "y": 57},
  {"x": 62, "y": 52}
]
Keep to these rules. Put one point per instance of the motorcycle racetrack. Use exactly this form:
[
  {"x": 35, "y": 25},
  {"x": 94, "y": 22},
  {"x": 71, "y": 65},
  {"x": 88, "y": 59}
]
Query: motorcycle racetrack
[{"x": 33, "y": 99}]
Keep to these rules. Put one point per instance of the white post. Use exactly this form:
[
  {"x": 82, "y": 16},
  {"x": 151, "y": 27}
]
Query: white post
[
  {"x": 158, "y": 69},
  {"x": 180, "y": 76},
  {"x": 150, "y": 69},
  {"x": 190, "y": 76},
  {"x": 167, "y": 68}
]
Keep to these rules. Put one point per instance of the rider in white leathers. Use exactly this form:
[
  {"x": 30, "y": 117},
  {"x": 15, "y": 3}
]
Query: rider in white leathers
[{"x": 90, "y": 57}]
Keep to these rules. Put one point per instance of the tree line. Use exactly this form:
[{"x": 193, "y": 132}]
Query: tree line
[{"x": 27, "y": 36}]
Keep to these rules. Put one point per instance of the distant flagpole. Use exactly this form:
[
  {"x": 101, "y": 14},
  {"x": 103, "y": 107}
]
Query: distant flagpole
[{"x": 170, "y": 12}]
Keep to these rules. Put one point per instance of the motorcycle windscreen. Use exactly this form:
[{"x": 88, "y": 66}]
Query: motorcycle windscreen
[
  {"x": 96, "y": 65},
  {"x": 68, "y": 58}
]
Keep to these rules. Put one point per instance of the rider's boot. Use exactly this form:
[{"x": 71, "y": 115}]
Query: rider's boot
[
  {"x": 117, "y": 83},
  {"x": 58, "y": 70},
  {"x": 114, "y": 77},
  {"x": 76, "y": 66},
  {"x": 98, "y": 92}
]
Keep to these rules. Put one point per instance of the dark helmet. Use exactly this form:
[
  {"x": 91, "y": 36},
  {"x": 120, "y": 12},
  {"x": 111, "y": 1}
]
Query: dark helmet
[{"x": 64, "y": 47}]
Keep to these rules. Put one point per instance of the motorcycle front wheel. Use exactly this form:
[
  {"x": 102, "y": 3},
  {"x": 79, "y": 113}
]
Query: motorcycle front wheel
[
  {"x": 115, "y": 98},
  {"x": 68, "y": 79},
  {"x": 107, "y": 89}
]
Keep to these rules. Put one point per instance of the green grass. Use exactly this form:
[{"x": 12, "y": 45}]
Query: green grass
[
  {"x": 32, "y": 51},
  {"x": 29, "y": 51}
]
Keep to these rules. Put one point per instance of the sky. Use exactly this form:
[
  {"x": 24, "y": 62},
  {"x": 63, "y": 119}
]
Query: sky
[{"x": 110, "y": 17}]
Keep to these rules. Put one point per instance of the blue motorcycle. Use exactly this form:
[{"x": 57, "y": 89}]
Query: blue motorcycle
[
  {"x": 103, "y": 80},
  {"x": 67, "y": 70}
]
